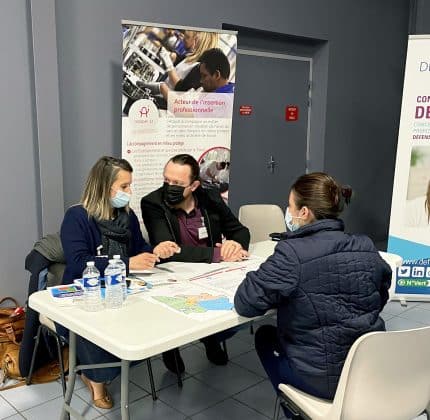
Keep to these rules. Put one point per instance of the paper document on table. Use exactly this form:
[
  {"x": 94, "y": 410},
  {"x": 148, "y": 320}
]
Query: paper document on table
[
  {"x": 228, "y": 280},
  {"x": 179, "y": 271},
  {"x": 191, "y": 299}
]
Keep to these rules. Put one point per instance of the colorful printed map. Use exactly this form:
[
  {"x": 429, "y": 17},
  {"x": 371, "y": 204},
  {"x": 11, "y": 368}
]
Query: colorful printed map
[{"x": 203, "y": 302}]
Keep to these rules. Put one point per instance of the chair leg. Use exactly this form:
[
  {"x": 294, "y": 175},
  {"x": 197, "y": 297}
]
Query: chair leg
[
  {"x": 175, "y": 353},
  {"x": 60, "y": 361},
  {"x": 224, "y": 345},
  {"x": 277, "y": 408},
  {"x": 151, "y": 379},
  {"x": 33, "y": 357},
  {"x": 251, "y": 327}
]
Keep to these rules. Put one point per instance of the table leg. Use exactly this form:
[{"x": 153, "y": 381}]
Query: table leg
[
  {"x": 125, "y": 370},
  {"x": 72, "y": 376}
]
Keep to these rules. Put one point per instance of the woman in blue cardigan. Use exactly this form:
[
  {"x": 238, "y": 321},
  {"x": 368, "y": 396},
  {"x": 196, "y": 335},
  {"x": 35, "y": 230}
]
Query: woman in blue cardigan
[
  {"x": 328, "y": 286},
  {"x": 101, "y": 226}
]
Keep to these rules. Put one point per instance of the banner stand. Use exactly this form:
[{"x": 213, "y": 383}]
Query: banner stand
[{"x": 409, "y": 232}]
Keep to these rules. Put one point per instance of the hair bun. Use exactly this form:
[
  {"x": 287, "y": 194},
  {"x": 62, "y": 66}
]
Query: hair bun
[{"x": 346, "y": 192}]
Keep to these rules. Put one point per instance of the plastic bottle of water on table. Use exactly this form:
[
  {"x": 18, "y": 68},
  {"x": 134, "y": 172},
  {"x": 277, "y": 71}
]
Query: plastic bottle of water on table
[
  {"x": 92, "y": 291},
  {"x": 121, "y": 263},
  {"x": 113, "y": 280}
]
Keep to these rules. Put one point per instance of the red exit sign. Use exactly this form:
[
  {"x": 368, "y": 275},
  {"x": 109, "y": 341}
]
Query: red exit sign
[
  {"x": 245, "y": 110},
  {"x": 291, "y": 113}
]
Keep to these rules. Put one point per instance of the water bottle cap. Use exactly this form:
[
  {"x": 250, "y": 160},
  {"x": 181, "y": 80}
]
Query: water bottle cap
[
  {"x": 117, "y": 257},
  {"x": 90, "y": 263}
]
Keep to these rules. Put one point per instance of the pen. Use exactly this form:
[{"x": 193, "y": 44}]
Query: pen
[{"x": 203, "y": 275}]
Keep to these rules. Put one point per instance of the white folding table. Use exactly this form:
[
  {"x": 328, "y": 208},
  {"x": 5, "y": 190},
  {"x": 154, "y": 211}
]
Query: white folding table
[{"x": 137, "y": 331}]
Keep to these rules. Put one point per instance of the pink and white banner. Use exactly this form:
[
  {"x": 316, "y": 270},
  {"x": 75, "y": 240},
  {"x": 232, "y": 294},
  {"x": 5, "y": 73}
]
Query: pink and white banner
[{"x": 172, "y": 102}]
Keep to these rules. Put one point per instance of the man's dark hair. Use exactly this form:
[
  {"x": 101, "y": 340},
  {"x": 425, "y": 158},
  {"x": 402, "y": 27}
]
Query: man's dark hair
[
  {"x": 185, "y": 159},
  {"x": 214, "y": 59}
]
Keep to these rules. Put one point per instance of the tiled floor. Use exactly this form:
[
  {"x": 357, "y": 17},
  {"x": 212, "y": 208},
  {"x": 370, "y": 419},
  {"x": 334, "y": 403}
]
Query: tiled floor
[{"x": 239, "y": 390}]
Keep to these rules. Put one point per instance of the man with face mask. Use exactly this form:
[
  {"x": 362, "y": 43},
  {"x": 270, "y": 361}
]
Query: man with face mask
[{"x": 196, "y": 219}]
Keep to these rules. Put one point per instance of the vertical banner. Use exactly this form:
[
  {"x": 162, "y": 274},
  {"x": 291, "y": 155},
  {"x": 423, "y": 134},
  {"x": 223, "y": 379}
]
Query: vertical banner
[
  {"x": 177, "y": 97},
  {"x": 409, "y": 234}
]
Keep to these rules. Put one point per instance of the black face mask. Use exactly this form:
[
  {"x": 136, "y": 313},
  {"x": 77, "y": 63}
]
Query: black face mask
[{"x": 173, "y": 194}]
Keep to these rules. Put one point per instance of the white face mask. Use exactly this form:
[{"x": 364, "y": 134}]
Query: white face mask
[
  {"x": 120, "y": 200},
  {"x": 289, "y": 221}
]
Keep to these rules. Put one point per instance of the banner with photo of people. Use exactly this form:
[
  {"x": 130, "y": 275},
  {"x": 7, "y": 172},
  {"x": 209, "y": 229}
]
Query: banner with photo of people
[
  {"x": 177, "y": 97},
  {"x": 409, "y": 234}
]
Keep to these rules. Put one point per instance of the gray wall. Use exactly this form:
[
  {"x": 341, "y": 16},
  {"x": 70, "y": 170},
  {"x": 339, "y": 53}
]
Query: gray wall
[
  {"x": 20, "y": 205},
  {"x": 366, "y": 43}
]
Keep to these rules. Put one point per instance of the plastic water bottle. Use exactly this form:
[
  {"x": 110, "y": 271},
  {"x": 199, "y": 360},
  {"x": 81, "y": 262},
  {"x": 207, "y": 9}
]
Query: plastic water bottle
[
  {"x": 92, "y": 291},
  {"x": 121, "y": 263},
  {"x": 113, "y": 280}
]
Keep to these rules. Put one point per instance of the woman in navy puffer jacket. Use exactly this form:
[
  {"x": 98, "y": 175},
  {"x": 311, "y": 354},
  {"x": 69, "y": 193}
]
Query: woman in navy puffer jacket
[{"x": 328, "y": 287}]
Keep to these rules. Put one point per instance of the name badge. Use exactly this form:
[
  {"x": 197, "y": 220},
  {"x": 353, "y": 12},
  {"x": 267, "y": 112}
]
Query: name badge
[{"x": 203, "y": 233}]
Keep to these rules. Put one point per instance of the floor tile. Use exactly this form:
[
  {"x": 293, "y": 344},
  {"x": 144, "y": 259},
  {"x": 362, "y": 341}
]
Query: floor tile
[
  {"x": 52, "y": 409},
  {"x": 386, "y": 316},
  {"x": 251, "y": 361},
  {"x": 6, "y": 410},
  {"x": 25, "y": 397},
  {"x": 417, "y": 314},
  {"x": 147, "y": 409},
  {"x": 195, "y": 359},
  {"x": 229, "y": 409},
  {"x": 192, "y": 398},
  {"x": 245, "y": 335},
  {"x": 394, "y": 307},
  {"x": 114, "y": 388},
  {"x": 162, "y": 377},
  {"x": 260, "y": 397},
  {"x": 398, "y": 324},
  {"x": 235, "y": 347},
  {"x": 424, "y": 305},
  {"x": 229, "y": 379}
]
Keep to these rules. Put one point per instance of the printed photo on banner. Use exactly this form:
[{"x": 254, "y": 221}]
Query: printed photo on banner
[
  {"x": 177, "y": 97},
  {"x": 215, "y": 169},
  {"x": 161, "y": 61},
  {"x": 418, "y": 194}
]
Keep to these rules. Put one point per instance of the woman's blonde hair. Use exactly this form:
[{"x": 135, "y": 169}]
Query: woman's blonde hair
[
  {"x": 204, "y": 41},
  {"x": 97, "y": 190}
]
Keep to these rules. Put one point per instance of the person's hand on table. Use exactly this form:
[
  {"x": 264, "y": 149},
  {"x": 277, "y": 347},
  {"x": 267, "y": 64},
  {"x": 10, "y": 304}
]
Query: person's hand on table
[
  {"x": 232, "y": 251},
  {"x": 143, "y": 261},
  {"x": 166, "y": 249}
]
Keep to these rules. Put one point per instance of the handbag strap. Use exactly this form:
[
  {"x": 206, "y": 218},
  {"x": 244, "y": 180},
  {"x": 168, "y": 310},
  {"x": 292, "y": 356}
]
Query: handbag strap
[
  {"x": 11, "y": 333},
  {"x": 21, "y": 382},
  {"x": 9, "y": 298}
]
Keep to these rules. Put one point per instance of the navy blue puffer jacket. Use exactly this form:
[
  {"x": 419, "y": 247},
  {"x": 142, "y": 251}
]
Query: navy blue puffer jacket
[{"x": 329, "y": 288}]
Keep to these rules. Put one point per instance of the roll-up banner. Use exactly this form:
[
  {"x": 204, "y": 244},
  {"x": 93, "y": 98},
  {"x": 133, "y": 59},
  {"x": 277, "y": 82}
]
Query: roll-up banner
[
  {"x": 409, "y": 234},
  {"x": 172, "y": 102}
]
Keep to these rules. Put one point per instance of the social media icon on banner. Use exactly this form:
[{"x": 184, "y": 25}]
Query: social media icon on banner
[
  {"x": 428, "y": 272},
  {"x": 418, "y": 271},
  {"x": 404, "y": 271}
]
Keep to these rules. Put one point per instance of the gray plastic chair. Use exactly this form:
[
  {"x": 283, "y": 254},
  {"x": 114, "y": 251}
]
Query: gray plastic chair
[
  {"x": 261, "y": 220},
  {"x": 386, "y": 376}
]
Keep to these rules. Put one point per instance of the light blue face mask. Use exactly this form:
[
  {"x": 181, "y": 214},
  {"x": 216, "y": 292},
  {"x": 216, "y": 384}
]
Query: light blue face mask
[
  {"x": 289, "y": 221},
  {"x": 120, "y": 200}
]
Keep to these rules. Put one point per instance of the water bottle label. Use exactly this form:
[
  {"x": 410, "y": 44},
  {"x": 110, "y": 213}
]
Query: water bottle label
[
  {"x": 113, "y": 279},
  {"x": 91, "y": 281}
]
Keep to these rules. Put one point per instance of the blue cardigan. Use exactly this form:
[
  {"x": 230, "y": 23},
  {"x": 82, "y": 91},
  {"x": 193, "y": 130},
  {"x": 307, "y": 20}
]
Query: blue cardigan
[
  {"x": 329, "y": 288},
  {"x": 80, "y": 237}
]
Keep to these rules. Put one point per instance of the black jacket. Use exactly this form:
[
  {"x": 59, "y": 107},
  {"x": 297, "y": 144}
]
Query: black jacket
[
  {"x": 329, "y": 288},
  {"x": 162, "y": 224}
]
